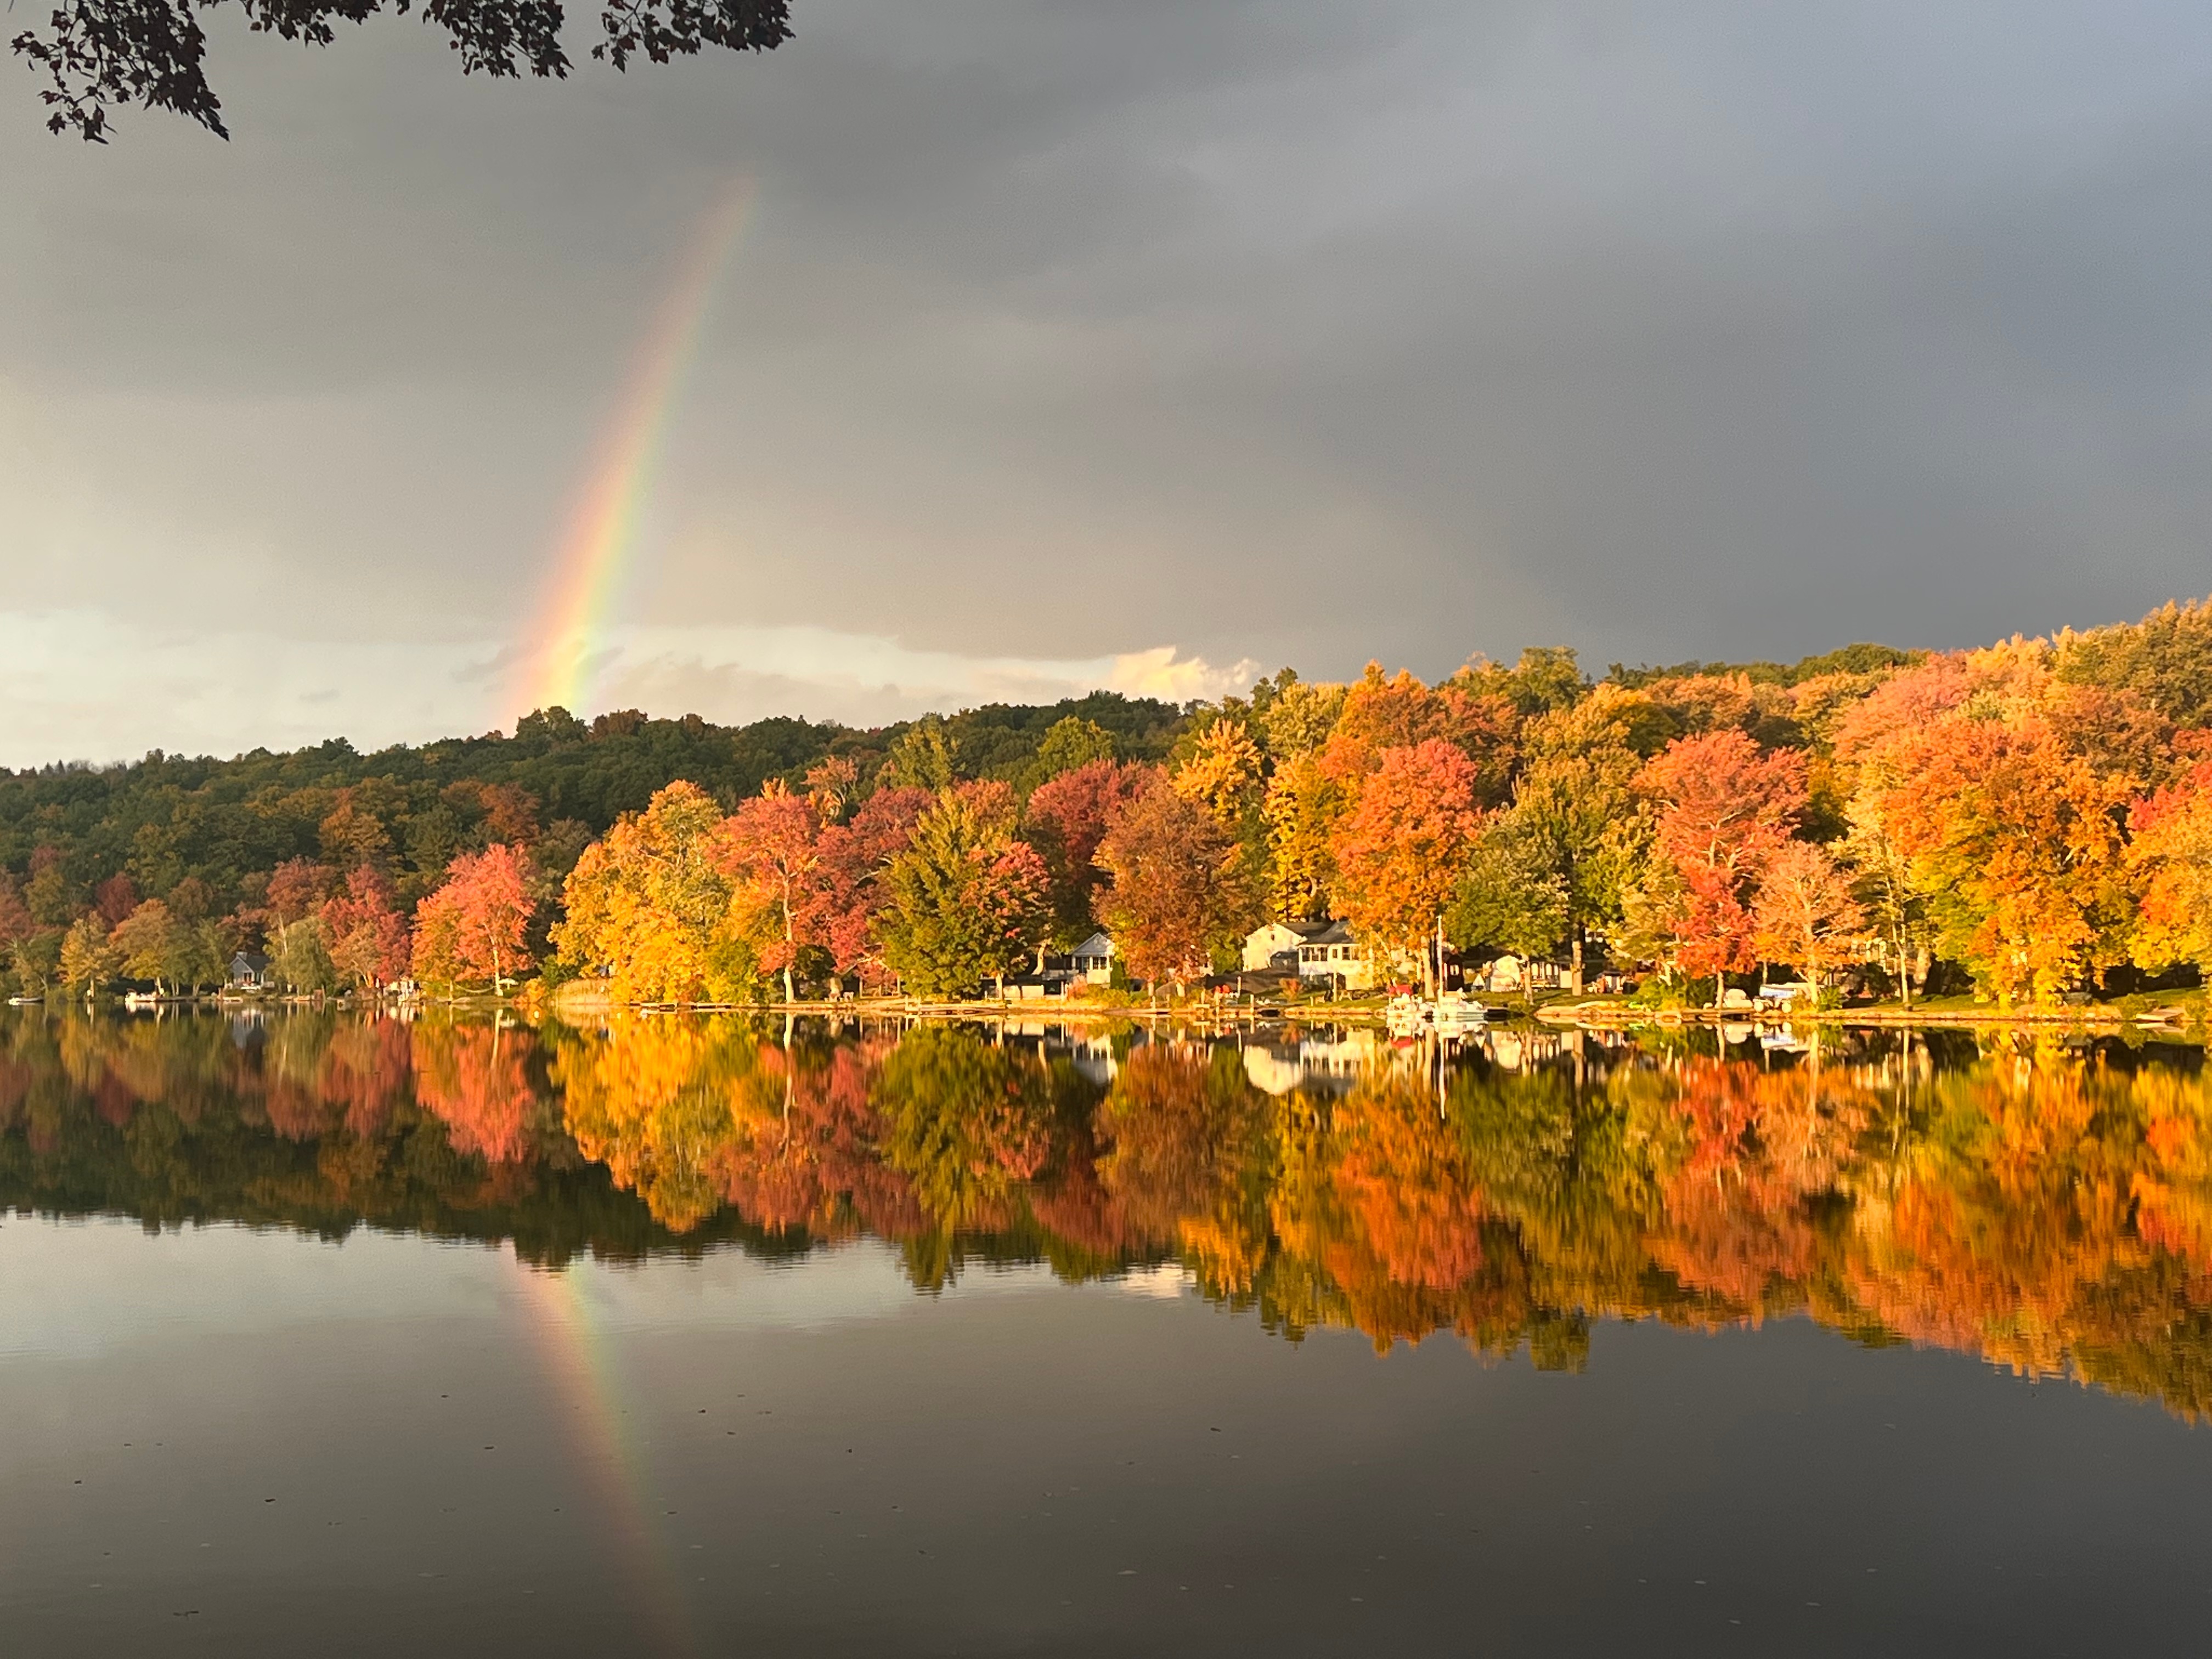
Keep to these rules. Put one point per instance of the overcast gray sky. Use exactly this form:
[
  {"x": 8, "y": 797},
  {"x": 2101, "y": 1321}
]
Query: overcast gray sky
[{"x": 1067, "y": 340}]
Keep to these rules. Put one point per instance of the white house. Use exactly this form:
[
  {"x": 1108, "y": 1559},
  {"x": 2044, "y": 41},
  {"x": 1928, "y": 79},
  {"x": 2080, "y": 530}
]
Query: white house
[
  {"x": 1333, "y": 953},
  {"x": 1093, "y": 960},
  {"x": 1504, "y": 975},
  {"x": 1263, "y": 944}
]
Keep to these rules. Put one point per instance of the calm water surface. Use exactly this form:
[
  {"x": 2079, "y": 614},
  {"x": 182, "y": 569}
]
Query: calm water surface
[{"x": 343, "y": 1336}]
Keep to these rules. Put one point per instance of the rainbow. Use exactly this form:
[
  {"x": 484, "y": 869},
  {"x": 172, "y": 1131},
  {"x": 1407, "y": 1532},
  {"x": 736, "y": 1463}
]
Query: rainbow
[
  {"x": 601, "y": 531},
  {"x": 580, "y": 1357}
]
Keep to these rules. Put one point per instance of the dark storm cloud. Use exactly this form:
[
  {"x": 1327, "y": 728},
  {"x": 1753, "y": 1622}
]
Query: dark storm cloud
[{"x": 1299, "y": 332}]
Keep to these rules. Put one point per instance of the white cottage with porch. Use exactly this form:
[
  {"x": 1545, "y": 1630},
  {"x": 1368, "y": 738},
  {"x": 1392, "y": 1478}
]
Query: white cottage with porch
[
  {"x": 1333, "y": 954},
  {"x": 1091, "y": 962}
]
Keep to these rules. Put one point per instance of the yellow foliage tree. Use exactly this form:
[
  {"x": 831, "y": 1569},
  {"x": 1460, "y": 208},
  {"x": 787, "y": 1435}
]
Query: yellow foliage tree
[
  {"x": 1303, "y": 804},
  {"x": 652, "y": 909},
  {"x": 1222, "y": 773},
  {"x": 2171, "y": 859}
]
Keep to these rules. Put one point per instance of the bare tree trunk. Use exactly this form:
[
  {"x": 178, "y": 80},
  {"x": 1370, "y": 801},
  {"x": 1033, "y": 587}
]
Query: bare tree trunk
[
  {"x": 1580, "y": 987},
  {"x": 790, "y": 943}
]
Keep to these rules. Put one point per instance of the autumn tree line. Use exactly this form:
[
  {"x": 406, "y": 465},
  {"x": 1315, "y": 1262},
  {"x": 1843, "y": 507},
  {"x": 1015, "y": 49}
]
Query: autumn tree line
[
  {"x": 161, "y": 870},
  {"x": 2032, "y": 819},
  {"x": 2050, "y": 1211}
]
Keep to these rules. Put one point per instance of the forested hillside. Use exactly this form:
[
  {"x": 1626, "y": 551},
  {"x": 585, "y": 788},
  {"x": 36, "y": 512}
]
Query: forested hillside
[{"x": 168, "y": 819}]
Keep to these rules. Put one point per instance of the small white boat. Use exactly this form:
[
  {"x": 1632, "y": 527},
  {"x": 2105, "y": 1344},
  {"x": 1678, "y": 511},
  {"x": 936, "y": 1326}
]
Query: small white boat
[
  {"x": 1455, "y": 1011},
  {"x": 24, "y": 1002}
]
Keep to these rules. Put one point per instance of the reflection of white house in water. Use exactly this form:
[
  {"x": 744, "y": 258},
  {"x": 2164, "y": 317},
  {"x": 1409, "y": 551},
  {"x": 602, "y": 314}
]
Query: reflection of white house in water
[
  {"x": 1517, "y": 1051},
  {"x": 1332, "y": 1063},
  {"x": 1093, "y": 1057},
  {"x": 1273, "y": 1071},
  {"x": 1335, "y": 1064}
]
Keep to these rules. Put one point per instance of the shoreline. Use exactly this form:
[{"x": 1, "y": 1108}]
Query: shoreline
[
  {"x": 2167, "y": 1021},
  {"x": 2105, "y": 1017}
]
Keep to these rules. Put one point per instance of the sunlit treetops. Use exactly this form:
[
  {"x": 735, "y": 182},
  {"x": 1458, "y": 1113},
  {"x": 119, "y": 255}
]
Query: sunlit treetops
[{"x": 2026, "y": 819}]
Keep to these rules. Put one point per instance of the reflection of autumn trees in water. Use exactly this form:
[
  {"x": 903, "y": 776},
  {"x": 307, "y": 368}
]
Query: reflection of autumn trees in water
[
  {"x": 695, "y": 1115},
  {"x": 2048, "y": 1211},
  {"x": 310, "y": 1121},
  {"x": 473, "y": 1078}
]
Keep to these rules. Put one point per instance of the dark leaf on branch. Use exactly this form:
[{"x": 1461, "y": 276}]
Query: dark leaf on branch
[{"x": 97, "y": 54}]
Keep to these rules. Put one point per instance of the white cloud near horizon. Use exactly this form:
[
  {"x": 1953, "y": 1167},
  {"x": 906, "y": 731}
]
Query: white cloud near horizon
[{"x": 86, "y": 686}]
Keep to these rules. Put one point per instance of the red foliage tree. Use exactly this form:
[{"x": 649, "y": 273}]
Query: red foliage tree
[
  {"x": 849, "y": 872},
  {"x": 1065, "y": 819},
  {"x": 475, "y": 928},
  {"x": 1724, "y": 809},
  {"x": 773, "y": 845},
  {"x": 295, "y": 892},
  {"x": 365, "y": 934},
  {"x": 115, "y": 899},
  {"x": 14, "y": 914}
]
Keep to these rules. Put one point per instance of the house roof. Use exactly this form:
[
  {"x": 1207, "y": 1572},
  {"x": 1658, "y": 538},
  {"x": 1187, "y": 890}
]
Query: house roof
[
  {"x": 1098, "y": 945},
  {"x": 1303, "y": 930},
  {"x": 1337, "y": 932}
]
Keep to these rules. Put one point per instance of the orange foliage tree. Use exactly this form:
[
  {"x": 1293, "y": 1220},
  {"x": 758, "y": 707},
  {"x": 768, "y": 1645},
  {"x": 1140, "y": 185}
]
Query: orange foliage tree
[
  {"x": 1400, "y": 850},
  {"x": 1804, "y": 913},
  {"x": 652, "y": 907},
  {"x": 2018, "y": 843},
  {"x": 2170, "y": 857},
  {"x": 1381, "y": 713}
]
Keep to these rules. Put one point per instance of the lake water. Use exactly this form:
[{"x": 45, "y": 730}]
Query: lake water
[{"x": 681, "y": 1337}]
